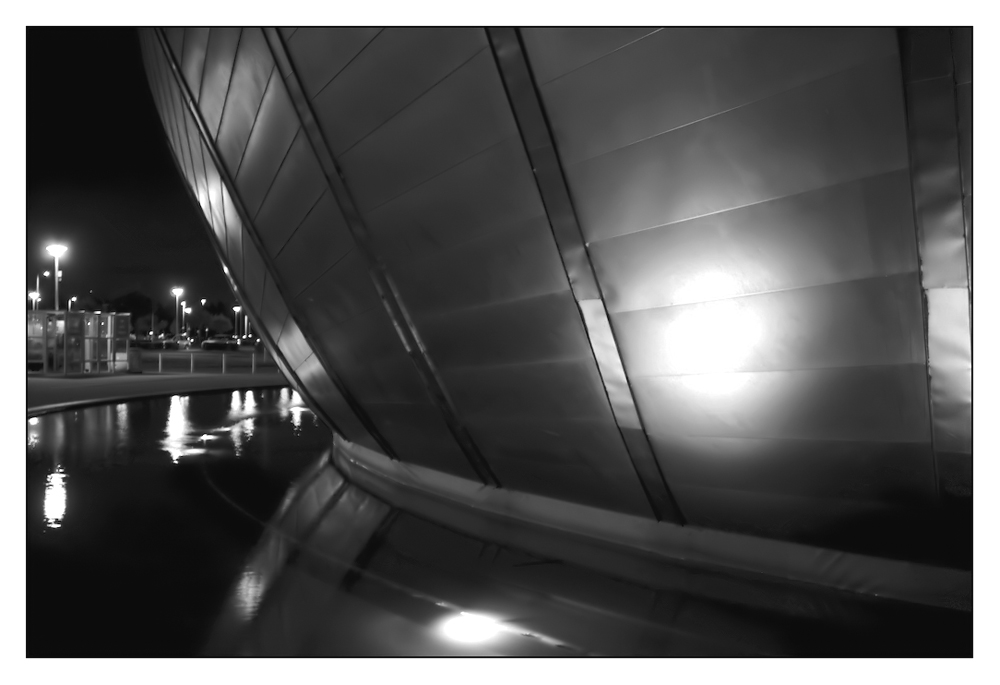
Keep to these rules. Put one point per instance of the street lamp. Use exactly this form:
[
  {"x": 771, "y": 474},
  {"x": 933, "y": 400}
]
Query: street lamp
[
  {"x": 177, "y": 292},
  {"x": 38, "y": 283},
  {"x": 56, "y": 251},
  {"x": 71, "y": 301},
  {"x": 186, "y": 311},
  {"x": 203, "y": 301},
  {"x": 236, "y": 319},
  {"x": 34, "y": 297}
]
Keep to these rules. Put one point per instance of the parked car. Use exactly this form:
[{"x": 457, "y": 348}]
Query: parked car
[{"x": 220, "y": 342}]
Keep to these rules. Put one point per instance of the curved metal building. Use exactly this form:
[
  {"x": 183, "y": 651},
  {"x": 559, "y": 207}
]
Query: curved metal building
[{"x": 703, "y": 293}]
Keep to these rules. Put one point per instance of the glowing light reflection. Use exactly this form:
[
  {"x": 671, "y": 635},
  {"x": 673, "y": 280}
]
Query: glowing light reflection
[
  {"x": 712, "y": 338},
  {"x": 468, "y": 627},
  {"x": 249, "y": 402},
  {"x": 177, "y": 430},
  {"x": 249, "y": 592},
  {"x": 33, "y": 421},
  {"x": 55, "y": 498},
  {"x": 705, "y": 286},
  {"x": 234, "y": 402},
  {"x": 297, "y": 417}
]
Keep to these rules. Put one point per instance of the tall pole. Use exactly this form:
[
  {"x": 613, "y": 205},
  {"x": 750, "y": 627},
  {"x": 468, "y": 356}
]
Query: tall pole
[
  {"x": 177, "y": 292},
  {"x": 236, "y": 320},
  {"x": 56, "y": 251}
]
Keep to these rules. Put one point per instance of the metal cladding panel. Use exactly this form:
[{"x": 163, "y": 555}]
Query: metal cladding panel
[
  {"x": 420, "y": 436},
  {"x": 315, "y": 246},
  {"x": 275, "y": 128},
  {"x": 574, "y": 460},
  {"x": 234, "y": 236},
  {"x": 857, "y": 230},
  {"x": 254, "y": 272},
  {"x": 319, "y": 54},
  {"x": 342, "y": 293},
  {"x": 964, "y": 92},
  {"x": 936, "y": 119},
  {"x": 938, "y": 194},
  {"x": 214, "y": 183},
  {"x": 486, "y": 194},
  {"x": 869, "y": 322},
  {"x": 459, "y": 117},
  {"x": 949, "y": 349},
  {"x": 295, "y": 190},
  {"x": 675, "y": 77},
  {"x": 886, "y": 472},
  {"x": 330, "y": 401},
  {"x": 175, "y": 37},
  {"x": 961, "y": 46},
  {"x": 838, "y": 129},
  {"x": 219, "y": 58},
  {"x": 840, "y": 523},
  {"x": 251, "y": 73},
  {"x": 535, "y": 330},
  {"x": 292, "y": 343},
  {"x": 193, "y": 61},
  {"x": 876, "y": 403},
  {"x": 273, "y": 312},
  {"x": 558, "y": 51},
  {"x": 397, "y": 67},
  {"x": 500, "y": 267}
]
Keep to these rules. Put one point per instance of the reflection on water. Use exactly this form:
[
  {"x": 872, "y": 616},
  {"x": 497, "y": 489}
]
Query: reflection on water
[
  {"x": 141, "y": 513},
  {"x": 249, "y": 592},
  {"x": 55, "y": 498}
]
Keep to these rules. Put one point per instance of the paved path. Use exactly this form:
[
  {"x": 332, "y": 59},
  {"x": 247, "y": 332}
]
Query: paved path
[{"x": 46, "y": 394}]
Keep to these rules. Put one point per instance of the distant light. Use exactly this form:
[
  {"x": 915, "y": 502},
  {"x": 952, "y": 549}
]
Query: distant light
[
  {"x": 470, "y": 628},
  {"x": 177, "y": 292},
  {"x": 237, "y": 308},
  {"x": 203, "y": 301},
  {"x": 56, "y": 251},
  {"x": 33, "y": 421}
]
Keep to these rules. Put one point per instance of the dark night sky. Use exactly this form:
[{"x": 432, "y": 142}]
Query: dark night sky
[{"x": 100, "y": 176}]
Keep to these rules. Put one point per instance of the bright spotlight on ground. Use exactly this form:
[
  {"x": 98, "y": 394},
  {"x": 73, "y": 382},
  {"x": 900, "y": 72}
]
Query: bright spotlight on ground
[{"x": 470, "y": 628}]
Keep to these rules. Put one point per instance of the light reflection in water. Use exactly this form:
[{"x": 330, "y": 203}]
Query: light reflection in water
[
  {"x": 249, "y": 402},
  {"x": 234, "y": 403},
  {"x": 297, "y": 417},
  {"x": 55, "y": 498},
  {"x": 249, "y": 591},
  {"x": 177, "y": 430}
]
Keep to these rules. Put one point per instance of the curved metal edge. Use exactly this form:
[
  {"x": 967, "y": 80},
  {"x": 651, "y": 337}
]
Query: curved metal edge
[
  {"x": 536, "y": 136},
  {"x": 244, "y": 216},
  {"x": 595, "y": 537},
  {"x": 933, "y": 145},
  {"x": 391, "y": 299}
]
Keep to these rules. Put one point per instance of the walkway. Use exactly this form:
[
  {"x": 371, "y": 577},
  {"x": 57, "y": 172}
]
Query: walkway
[{"x": 47, "y": 394}]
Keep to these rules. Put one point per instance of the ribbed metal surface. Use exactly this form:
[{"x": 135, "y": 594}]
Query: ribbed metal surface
[
  {"x": 744, "y": 298},
  {"x": 746, "y": 200}
]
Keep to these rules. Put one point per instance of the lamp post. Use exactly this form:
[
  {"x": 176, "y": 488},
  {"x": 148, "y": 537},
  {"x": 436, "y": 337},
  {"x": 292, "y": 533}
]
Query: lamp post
[
  {"x": 56, "y": 251},
  {"x": 38, "y": 283},
  {"x": 34, "y": 297},
  {"x": 177, "y": 292},
  {"x": 185, "y": 311},
  {"x": 236, "y": 319},
  {"x": 71, "y": 301}
]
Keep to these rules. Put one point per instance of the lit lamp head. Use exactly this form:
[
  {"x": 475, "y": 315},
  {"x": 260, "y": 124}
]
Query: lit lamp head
[
  {"x": 34, "y": 296},
  {"x": 237, "y": 309},
  {"x": 177, "y": 292},
  {"x": 56, "y": 251},
  {"x": 46, "y": 274},
  {"x": 187, "y": 310}
]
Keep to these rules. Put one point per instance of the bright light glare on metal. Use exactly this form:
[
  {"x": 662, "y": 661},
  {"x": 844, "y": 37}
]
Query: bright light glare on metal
[
  {"x": 470, "y": 628},
  {"x": 712, "y": 338},
  {"x": 56, "y": 250}
]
